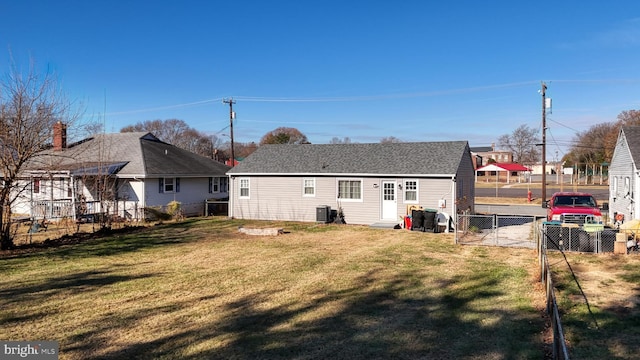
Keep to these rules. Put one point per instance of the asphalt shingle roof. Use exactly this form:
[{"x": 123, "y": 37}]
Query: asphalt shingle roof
[
  {"x": 142, "y": 153},
  {"x": 418, "y": 158},
  {"x": 632, "y": 135}
]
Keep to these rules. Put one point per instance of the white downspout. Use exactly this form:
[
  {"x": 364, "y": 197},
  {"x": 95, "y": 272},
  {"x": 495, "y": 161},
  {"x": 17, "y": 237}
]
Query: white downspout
[{"x": 230, "y": 192}]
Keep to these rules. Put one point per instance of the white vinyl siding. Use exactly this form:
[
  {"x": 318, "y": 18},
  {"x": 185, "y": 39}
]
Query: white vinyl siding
[{"x": 281, "y": 198}]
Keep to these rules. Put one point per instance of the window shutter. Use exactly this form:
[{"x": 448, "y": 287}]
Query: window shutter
[
  {"x": 210, "y": 185},
  {"x": 177, "y": 185},
  {"x": 161, "y": 185}
]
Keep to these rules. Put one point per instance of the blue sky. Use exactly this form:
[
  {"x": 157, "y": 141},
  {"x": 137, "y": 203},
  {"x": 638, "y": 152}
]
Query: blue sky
[{"x": 416, "y": 70}]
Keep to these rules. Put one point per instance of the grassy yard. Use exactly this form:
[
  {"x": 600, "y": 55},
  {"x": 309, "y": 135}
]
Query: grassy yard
[
  {"x": 201, "y": 290},
  {"x": 600, "y": 304}
]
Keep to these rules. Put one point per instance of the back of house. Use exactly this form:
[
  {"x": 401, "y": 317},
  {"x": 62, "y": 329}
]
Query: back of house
[{"x": 367, "y": 183}]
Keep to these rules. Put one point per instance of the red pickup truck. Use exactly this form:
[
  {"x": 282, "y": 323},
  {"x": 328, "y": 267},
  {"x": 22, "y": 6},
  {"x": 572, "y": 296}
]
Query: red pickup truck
[{"x": 573, "y": 208}]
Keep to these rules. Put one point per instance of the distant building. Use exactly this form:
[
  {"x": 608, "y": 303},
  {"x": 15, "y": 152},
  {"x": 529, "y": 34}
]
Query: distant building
[{"x": 481, "y": 155}]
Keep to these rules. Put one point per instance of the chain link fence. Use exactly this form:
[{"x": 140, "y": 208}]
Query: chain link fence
[
  {"x": 497, "y": 230},
  {"x": 575, "y": 238},
  {"x": 526, "y": 231}
]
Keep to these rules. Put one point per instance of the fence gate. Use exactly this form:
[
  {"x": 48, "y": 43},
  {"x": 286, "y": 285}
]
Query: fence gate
[{"x": 497, "y": 230}]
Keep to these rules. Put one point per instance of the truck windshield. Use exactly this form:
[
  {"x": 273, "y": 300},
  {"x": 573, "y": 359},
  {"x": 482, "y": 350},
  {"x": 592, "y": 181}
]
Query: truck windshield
[{"x": 586, "y": 201}]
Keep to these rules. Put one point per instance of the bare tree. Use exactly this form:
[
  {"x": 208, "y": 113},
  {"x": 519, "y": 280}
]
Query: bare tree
[
  {"x": 284, "y": 135},
  {"x": 389, "y": 140},
  {"x": 30, "y": 104},
  {"x": 522, "y": 143},
  {"x": 629, "y": 117},
  {"x": 178, "y": 133},
  {"x": 337, "y": 140}
]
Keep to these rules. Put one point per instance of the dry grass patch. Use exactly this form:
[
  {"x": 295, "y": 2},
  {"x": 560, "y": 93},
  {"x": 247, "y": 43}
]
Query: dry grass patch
[
  {"x": 201, "y": 289},
  {"x": 599, "y": 298}
]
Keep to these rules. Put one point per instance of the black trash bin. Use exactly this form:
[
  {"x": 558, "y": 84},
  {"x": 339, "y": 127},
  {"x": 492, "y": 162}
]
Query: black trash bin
[
  {"x": 430, "y": 220},
  {"x": 417, "y": 220}
]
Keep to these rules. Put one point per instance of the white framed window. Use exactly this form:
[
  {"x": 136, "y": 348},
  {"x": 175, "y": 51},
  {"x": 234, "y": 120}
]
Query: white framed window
[
  {"x": 615, "y": 186},
  {"x": 244, "y": 188},
  {"x": 350, "y": 189},
  {"x": 224, "y": 184},
  {"x": 215, "y": 185},
  {"x": 169, "y": 185},
  {"x": 627, "y": 186},
  {"x": 309, "y": 187},
  {"x": 411, "y": 191}
]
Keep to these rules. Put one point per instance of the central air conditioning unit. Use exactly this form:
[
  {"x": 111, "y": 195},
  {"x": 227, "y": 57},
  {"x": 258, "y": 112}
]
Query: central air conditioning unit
[{"x": 323, "y": 214}]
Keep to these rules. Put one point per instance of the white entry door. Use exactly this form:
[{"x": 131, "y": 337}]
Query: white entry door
[{"x": 389, "y": 201}]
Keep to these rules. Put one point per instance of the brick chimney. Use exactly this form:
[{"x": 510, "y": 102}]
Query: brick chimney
[{"x": 59, "y": 136}]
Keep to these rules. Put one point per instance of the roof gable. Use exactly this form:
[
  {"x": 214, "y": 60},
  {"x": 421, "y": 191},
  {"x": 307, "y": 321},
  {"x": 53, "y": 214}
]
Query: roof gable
[{"x": 419, "y": 158}]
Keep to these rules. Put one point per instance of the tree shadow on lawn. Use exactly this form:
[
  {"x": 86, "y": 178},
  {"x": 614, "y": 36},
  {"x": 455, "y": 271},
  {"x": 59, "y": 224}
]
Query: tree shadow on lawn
[
  {"x": 374, "y": 319},
  {"x": 610, "y": 331},
  {"x": 71, "y": 284},
  {"x": 108, "y": 242}
]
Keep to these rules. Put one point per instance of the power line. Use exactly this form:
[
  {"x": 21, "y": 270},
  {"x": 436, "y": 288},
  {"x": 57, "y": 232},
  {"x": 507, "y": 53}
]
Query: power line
[
  {"x": 164, "y": 107},
  {"x": 332, "y": 99}
]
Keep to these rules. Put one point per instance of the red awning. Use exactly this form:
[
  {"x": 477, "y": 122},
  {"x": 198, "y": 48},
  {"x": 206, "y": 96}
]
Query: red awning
[{"x": 503, "y": 167}]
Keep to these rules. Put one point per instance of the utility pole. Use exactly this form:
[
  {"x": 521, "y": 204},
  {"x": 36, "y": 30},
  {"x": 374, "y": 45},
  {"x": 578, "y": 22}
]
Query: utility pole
[
  {"x": 544, "y": 143},
  {"x": 232, "y": 116}
]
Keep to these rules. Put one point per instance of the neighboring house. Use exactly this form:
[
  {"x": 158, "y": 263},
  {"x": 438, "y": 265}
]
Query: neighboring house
[
  {"x": 624, "y": 175},
  {"x": 486, "y": 153},
  {"x": 476, "y": 157},
  {"x": 118, "y": 174},
  {"x": 370, "y": 183}
]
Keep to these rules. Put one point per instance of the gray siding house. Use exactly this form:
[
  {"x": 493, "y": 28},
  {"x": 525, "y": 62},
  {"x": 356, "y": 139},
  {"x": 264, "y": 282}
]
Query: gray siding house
[
  {"x": 624, "y": 175},
  {"x": 370, "y": 183},
  {"x": 118, "y": 174}
]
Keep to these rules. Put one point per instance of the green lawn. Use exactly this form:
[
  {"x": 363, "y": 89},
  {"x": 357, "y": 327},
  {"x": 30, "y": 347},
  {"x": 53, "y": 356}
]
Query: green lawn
[{"x": 200, "y": 290}]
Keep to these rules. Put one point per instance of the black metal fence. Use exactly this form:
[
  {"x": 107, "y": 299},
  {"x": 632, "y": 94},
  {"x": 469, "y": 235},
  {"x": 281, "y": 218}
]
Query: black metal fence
[{"x": 560, "y": 350}]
